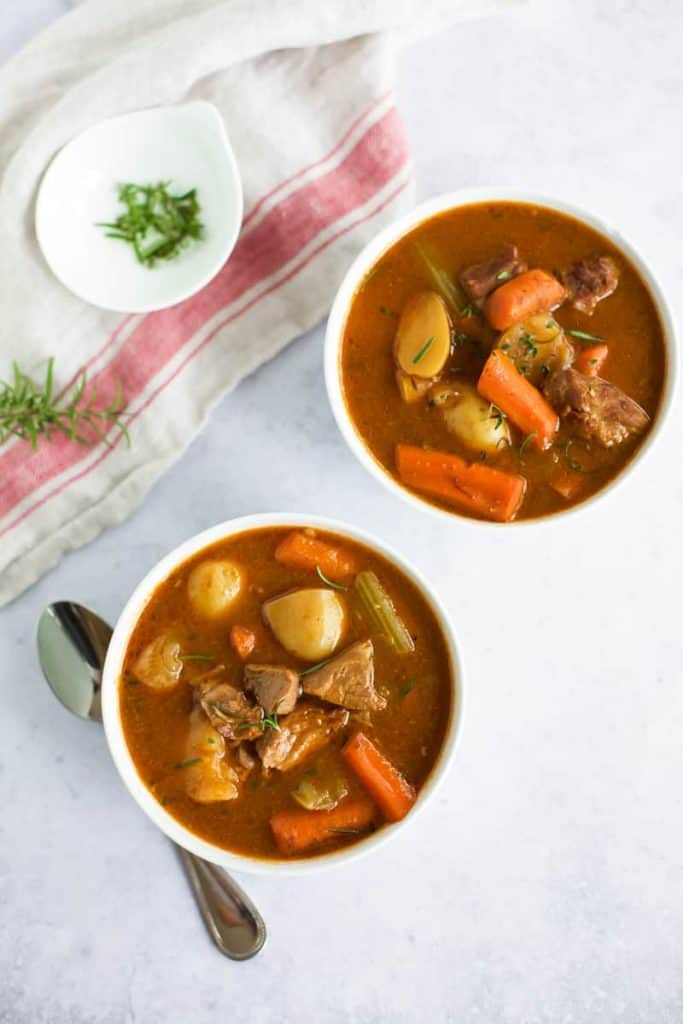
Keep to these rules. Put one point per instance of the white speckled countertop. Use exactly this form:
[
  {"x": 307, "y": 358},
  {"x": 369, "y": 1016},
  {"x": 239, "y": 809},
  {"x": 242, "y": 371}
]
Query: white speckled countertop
[{"x": 545, "y": 884}]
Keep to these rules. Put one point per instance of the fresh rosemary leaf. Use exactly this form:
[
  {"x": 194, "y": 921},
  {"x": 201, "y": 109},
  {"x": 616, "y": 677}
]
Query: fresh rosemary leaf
[
  {"x": 525, "y": 442},
  {"x": 423, "y": 351},
  {"x": 330, "y": 583},
  {"x": 583, "y": 335},
  {"x": 405, "y": 690},
  {"x": 31, "y": 412},
  {"x": 156, "y": 223}
]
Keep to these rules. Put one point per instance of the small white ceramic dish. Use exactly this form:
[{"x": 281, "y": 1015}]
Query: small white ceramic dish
[
  {"x": 186, "y": 145},
  {"x": 112, "y": 715},
  {"x": 388, "y": 237}
]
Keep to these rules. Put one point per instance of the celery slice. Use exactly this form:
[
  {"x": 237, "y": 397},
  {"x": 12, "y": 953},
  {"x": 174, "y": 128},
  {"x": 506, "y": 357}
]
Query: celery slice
[
  {"x": 442, "y": 281},
  {"x": 379, "y": 610}
]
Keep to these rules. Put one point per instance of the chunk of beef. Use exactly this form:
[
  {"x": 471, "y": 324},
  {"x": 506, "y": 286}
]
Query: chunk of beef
[
  {"x": 480, "y": 280},
  {"x": 590, "y": 281},
  {"x": 348, "y": 680},
  {"x": 229, "y": 710},
  {"x": 276, "y": 688},
  {"x": 245, "y": 758},
  {"x": 601, "y": 410},
  {"x": 302, "y": 733}
]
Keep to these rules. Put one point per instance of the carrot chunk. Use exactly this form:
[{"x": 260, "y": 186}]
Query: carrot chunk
[
  {"x": 592, "y": 359},
  {"x": 298, "y": 831},
  {"x": 391, "y": 792},
  {"x": 471, "y": 487},
  {"x": 523, "y": 404},
  {"x": 242, "y": 641},
  {"x": 530, "y": 293},
  {"x": 300, "y": 551}
]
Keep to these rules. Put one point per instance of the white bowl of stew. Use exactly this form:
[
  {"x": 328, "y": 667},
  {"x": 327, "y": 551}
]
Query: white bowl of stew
[
  {"x": 500, "y": 356},
  {"x": 282, "y": 693}
]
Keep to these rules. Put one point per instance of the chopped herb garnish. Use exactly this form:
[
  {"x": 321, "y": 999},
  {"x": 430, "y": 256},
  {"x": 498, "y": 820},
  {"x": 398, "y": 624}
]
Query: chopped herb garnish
[
  {"x": 423, "y": 351},
  {"x": 592, "y": 362},
  {"x": 571, "y": 462},
  {"x": 210, "y": 739},
  {"x": 255, "y": 783},
  {"x": 269, "y": 722},
  {"x": 313, "y": 668},
  {"x": 469, "y": 311},
  {"x": 525, "y": 442},
  {"x": 584, "y": 335},
  {"x": 494, "y": 413},
  {"x": 323, "y": 577},
  {"x": 31, "y": 411},
  {"x": 407, "y": 687},
  {"x": 371, "y": 273},
  {"x": 196, "y": 657},
  {"x": 528, "y": 341},
  {"x": 157, "y": 224},
  {"x": 186, "y": 764},
  {"x": 503, "y": 275}
]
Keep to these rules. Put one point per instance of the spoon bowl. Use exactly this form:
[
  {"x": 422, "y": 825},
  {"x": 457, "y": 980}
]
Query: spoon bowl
[{"x": 72, "y": 646}]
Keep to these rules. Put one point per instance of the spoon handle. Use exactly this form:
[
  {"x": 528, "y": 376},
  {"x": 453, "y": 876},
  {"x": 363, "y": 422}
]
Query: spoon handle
[{"x": 232, "y": 920}]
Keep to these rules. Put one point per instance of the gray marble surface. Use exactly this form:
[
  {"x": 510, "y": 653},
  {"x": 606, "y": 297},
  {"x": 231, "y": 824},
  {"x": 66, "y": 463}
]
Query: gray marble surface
[{"x": 545, "y": 883}]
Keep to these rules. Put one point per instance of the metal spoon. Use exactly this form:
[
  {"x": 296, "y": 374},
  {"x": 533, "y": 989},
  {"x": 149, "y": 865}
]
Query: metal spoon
[{"x": 72, "y": 644}]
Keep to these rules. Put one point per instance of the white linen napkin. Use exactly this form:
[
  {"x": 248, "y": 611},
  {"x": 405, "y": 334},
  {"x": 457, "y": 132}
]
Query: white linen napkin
[{"x": 305, "y": 90}]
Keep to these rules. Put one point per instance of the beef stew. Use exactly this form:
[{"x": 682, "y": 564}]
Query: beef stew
[
  {"x": 286, "y": 692},
  {"x": 503, "y": 361}
]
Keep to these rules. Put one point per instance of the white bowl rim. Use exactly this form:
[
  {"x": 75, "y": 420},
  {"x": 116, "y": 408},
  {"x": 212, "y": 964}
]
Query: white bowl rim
[
  {"x": 402, "y": 226},
  {"x": 114, "y": 729}
]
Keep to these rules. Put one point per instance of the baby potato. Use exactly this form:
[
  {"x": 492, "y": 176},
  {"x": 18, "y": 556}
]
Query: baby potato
[
  {"x": 213, "y": 586},
  {"x": 209, "y": 777},
  {"x": 423, "y": 338},
  {"x": 537, "y": 346},
  {"x": 473, "y": 420},
  {"x": 308, "y": 623},
  {"x": 411, "y": 389},
  {"x": 158, "y": 665}
]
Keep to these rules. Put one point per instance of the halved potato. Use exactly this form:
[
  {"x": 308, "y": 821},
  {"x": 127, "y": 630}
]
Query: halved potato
[
  {"x": 209, "y": 776},
  {"x": 473, "y": 420},
  {"x": 423, "y": 339},
  {"x": 158, "y": 665},
  {"x": 308, "y": 623},
  {"x": 213, "y": 587},
  {"x": 411, "y": 389},
  {"x": 537, "y": 346}
]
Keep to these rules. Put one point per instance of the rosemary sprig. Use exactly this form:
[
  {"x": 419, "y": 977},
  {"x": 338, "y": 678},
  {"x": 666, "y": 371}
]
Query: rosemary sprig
[
  {"x": 423, "y": 351},
  {"x": 583, "y": 335},
  {"x": 157, "y": 224},
  {"x": 330, "y": 583},
  {"x": 31, "y": 411}
]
